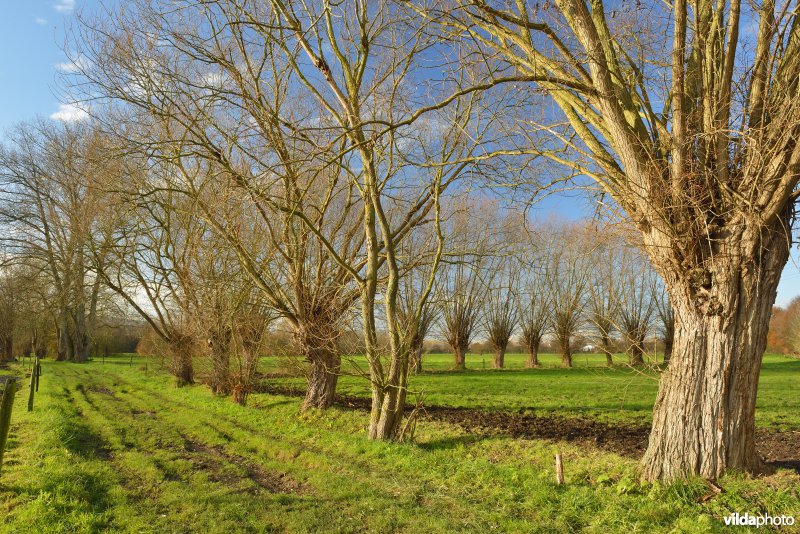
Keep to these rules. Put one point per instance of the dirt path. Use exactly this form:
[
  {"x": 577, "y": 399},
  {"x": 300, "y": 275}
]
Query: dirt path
[{"x": 780, "y": 449}]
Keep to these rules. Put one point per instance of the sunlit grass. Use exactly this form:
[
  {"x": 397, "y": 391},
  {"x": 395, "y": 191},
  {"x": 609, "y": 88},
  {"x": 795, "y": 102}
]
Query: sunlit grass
[
  {"x": 110, "y": 448},
  {"x": 618, "y": 394}
]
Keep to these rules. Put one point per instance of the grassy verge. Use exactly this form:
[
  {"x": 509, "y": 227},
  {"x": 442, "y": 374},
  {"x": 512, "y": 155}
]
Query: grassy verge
[{"x": 110, "y": 448}]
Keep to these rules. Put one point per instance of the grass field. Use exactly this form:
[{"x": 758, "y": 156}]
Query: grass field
[
  {"x": 110, "y": 447},
  {"x": 619, "y": 394}
]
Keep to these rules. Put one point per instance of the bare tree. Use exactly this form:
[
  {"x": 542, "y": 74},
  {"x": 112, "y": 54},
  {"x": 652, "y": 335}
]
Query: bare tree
[
  {"x": 708, "y": 179},
  {"x": 604, "y": 291},
  {"x": 534, "y": 300},
  {"x": 665, "y": 315},
  {"x": 501, "y": 310},
  {"x": 224, "y": 119},
  {"x": 412, "y": 288},
  {"x": 51, "y": 206},
  {"x": 462, "y": 294},
  {"x": 217, "y": 76},
  {"x": 567, "y": 270},
  {"x": 636, "y": 303},
  {"x": 10, "y": 300},
  {"x": 534, "y": 315},
  {"x": 156, "y": 246}
]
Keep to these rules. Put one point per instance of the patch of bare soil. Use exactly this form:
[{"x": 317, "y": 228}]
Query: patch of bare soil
[
  {"x": 101, "y": 389},
  {"x": 778, "y": 448},
  {"x": 208, "y": 458}
]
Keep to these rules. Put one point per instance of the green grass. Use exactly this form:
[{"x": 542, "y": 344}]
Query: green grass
[
  {"x": 112, "y": 448},
  {"x": 590, "y": 389}
]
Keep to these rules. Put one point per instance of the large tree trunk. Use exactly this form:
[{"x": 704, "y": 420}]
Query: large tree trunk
[
  {"x": 416, "y": 362},
  {"x": 566, "y": 354},
  {"x": 82, "y": 345},
  {"x": 220, "y": 342},
  {"x": 81, "y": 341},
  {"x": 532, "y": 362},
  {"x": 323, "y": 373},
  {"x": 499, "y": 357},
  {"x": 636, "y": 353},
  {"x": 63, "y": 341},
  {"x": 184, "y": 371},
  {"x": 605, "y": 346},
  {"x": 460, "y": 358},
  {"x": 703, "y": 421},
  {"x": 181, "y": 363},
  {"x": 668, "y": 337},
  {"x": 8, "y": 347},
  {"x": 389, "y": 424}
]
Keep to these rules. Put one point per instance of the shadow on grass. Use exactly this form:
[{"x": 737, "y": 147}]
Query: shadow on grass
[
  {"x": 792, "y": 465},
  {"x": 451, "y": 442}
]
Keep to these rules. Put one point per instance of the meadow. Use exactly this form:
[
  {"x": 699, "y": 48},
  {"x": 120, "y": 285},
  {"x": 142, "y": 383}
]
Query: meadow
[
  {"x": 116, "y": 447},
  {"x": 620, "y": 394}
]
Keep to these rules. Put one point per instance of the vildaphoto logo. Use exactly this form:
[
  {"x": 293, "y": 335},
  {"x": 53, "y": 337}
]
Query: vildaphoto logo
[{"x": 747, "y": 520}]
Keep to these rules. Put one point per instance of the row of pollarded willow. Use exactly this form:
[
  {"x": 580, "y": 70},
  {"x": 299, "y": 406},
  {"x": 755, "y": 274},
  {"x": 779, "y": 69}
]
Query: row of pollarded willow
[
  {"x": 307, "y": 111},
  {"x": 709, "y": 179},
  {"x": 562, "y": 281}
]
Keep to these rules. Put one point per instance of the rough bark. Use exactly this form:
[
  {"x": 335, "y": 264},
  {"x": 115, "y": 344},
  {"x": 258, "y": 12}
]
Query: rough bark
[
  {"x": 63, "y": 343},
  {"x": 460, "y": 358},
  {"x": 668, "y": 337},
  {"x": 323, "y": 374},
  {"x": 532, "y": 362},
  {"x": 220, "y": 342},
  {"x": 181, "y": 363},
  {"x": 636, "y": 353},
  {"x": 239, "y": 395},
  {"x": 703, "y": 421},
  {"x": 389, "y": 425},
  {"x": 184, "y": 372},
  {"x": 499, "y": 357},
  {"x": 566, "y": 357},
  {"x": 605, "y": 347},
  {"x": 8, "y": 348},
  {"x": 416, "y": 360}
]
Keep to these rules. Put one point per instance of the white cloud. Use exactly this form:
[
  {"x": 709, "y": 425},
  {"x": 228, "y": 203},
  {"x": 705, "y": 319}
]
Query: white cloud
[
  {"x": 40, "y": 21},
  {"x": 78, "y": 64},
  {"x": 69, "y": 113},
  {"x": 64, "y": 6}
]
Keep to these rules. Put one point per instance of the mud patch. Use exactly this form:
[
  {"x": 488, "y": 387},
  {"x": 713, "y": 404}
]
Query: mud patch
[
  {"x": 100, "y": 389},
  {"x": 209, "y": 458},
  {"x": 628, "y": 441},
  {"x": 779, "y": 448}
]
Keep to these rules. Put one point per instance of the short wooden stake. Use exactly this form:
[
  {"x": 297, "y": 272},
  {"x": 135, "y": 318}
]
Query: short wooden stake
[{"x": 559, "y": 469}]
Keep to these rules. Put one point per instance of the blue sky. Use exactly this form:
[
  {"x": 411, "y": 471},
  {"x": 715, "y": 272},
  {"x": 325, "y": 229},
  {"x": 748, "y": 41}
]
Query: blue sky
[
  {"x": 31, "y": 42},
  {"x": 32, "y": 36}
]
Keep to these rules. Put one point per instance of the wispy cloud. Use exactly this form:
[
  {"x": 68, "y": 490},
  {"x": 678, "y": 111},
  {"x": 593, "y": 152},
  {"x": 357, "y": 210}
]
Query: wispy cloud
[
  {"x": 69, "y": 113},
  {"x": 76, "y": 65},
  {"x": 40, "y": 21},
  {"x": 64, "y": 6}
]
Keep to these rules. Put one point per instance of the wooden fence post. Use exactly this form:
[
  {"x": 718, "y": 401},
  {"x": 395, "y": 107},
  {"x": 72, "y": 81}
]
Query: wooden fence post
[
  {"x": 6, "y": 403},
  {"x": 33, "y": 385},
  {"x": 559, "y": 469}
]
